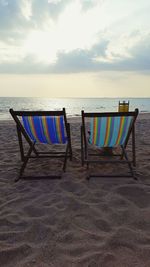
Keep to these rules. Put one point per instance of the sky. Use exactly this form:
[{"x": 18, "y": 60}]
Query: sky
[{"x": 75, "y": 48}]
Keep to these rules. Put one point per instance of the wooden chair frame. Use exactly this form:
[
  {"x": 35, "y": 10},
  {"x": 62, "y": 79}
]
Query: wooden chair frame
[
  {"x": 32, "y": 149},
  {"x": 85, "y": 153}
]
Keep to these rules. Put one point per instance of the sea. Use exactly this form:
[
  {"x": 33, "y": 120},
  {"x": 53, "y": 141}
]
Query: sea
[{"x": 73, "y": 105}]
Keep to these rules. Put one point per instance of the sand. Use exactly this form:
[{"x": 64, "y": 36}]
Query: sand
[{"x": 72, "y": 222}]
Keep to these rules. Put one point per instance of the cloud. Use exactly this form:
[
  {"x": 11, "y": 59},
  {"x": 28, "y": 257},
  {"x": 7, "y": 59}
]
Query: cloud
[
  {"x": 81, "y": 35},
  {"x": 11, "y": 14},
  {"x": 24, "y": 15},
  {"x": 140, "y": 59},
  {"x": 85, "y": 60},
  {"x": 43, "y": 10},
  {"x": 79, "y": 60},
  {"x": 82, "y": 60},
  {"x": 28, "y": 65},
  {"x": 88, "y": 4}
]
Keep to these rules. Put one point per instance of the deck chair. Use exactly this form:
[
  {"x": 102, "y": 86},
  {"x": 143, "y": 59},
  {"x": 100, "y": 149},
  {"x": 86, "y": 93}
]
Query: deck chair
[
  {"x": 108, "y": 130},
  {"x": 45, "y": 127}
]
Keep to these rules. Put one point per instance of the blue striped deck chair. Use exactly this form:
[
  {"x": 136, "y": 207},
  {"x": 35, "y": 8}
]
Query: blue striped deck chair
[
  {"x": 42, "y": 127},
  {"x": 108, "y": 131}
]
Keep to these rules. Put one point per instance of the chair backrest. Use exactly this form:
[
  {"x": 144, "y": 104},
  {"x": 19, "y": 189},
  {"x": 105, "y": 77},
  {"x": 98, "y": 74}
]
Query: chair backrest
[
  {"x": 49, "y": 127},
  {"x": 45, "y": 129},
  {"x": 109, "y": 129}
]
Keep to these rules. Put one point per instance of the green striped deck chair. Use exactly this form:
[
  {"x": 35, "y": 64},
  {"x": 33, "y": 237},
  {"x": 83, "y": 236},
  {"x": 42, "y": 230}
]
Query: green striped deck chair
[
  {"x": 108, "y": 131},
  {"x": 42, "y": 127}
]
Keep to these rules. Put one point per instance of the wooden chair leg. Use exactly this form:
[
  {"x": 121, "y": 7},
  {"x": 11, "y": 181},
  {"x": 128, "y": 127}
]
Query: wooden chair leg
[
  {"x": 70, "y": 151},
  {"x": 20, "y": 143},
  {"x": 66, "y": 156},
  {"x": 24, "y": 163},
  {"x": 133, "y": 147},
  {"x": 129, "y": 164},
  {"x": 82, "y": 148}
]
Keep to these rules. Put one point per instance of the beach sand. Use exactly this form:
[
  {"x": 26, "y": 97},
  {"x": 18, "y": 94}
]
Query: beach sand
[{"x": 71, "y": 222}]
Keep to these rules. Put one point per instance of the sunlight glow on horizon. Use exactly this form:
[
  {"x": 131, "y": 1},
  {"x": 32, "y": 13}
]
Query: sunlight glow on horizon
[{"x": 76, "y": 85}]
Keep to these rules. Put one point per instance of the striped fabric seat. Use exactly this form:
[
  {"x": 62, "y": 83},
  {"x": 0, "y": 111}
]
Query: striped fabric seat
[
  {"x": 45, "y": 129},
  {"x": 109, "y": 131}
]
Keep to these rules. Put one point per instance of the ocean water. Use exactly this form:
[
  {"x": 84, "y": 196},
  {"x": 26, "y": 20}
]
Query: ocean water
[{"x": 73, "y": 105}]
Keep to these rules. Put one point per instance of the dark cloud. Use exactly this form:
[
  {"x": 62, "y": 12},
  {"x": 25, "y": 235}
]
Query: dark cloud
[
  {"x": 44, "y": 8},
  {"x": 75, "y": 61},
  {"x": 88, "y": 4},
  {"x": 14, "y": 25},
  {"x": 11, "y": 16},
  {"x": 79, "y": 60},
  {"x": 140, "y": 57},
  {"x": 84, "y": 60}
]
